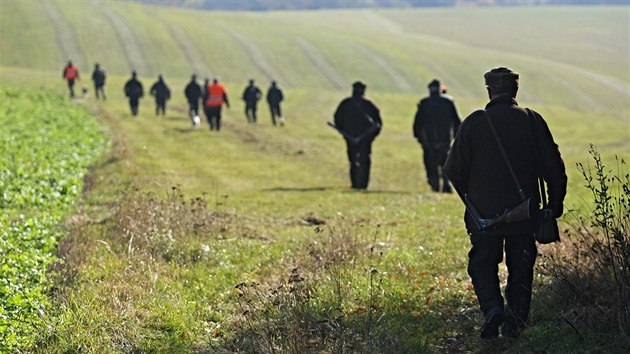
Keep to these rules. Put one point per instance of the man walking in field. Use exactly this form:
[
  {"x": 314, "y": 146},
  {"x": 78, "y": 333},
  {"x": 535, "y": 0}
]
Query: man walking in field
[
  {"x": 70, "y": 73},
  {"x": 274, "y": 97},
  {"x": 99, "y": 76},
  {"x": 193, "y": 94},
  {"x": 495, "y": 150},
  {"x": 162, "y": 93},
  {"x": 435, "y": 126},
  {"x": 215, "y": 97},
  {"x": 134, "y": 91},
  {"x": 359, "y": 121},
  {"x": 251, "y": 96}
]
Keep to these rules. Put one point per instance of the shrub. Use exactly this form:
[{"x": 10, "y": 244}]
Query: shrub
[{"x": 591, "y": 271}]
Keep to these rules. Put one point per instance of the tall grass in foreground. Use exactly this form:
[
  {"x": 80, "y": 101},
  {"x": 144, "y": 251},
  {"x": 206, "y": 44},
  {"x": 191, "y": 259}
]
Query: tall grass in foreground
[{"x": 591, "y": 271}]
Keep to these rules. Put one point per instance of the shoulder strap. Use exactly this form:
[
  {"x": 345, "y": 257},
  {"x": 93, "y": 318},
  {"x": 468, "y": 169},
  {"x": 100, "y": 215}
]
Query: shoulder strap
[
  {"x": 365, "y": 115},
  {"x": 505, "y": 157},
  {"x": 541, "y": 182}
]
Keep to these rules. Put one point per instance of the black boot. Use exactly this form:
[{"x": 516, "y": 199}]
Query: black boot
[{"x": 494, "y": 319}]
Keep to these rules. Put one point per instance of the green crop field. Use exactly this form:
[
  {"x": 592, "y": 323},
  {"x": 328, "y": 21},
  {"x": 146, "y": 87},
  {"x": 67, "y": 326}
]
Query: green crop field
[{"x": 249, "y": 240}]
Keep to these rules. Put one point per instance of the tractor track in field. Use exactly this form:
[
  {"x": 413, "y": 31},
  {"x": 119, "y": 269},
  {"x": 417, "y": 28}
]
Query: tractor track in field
[
  {"x": 258, "y": 57},
  {"x": 386, "y": 67},
  {"x": 64, "y": 35},
  {"x": 189, "y": 50},
  {"x": 132, "y": 47},
  {"x": 322, "y": 64}
]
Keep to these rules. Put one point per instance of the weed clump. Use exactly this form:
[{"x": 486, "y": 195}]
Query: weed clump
[
  {"x": 591, "y": 271},
  {"x": 334, "y": 300},
  {"x": 170, "y": 229}
]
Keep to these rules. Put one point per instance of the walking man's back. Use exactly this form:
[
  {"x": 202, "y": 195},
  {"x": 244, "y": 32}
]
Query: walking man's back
[
  {"x": 435, "y": 126},
  {"x": 482, "y": 174}
]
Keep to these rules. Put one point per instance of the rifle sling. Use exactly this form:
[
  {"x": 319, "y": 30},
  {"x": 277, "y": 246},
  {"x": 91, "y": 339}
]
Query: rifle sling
[{"x": 505, "y": 157}]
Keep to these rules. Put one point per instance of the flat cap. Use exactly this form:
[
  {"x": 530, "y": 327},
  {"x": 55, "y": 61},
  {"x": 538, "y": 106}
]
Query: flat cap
[
  {"x": 434, "y": 83},
  {"x": 358, "y": 85},
  {"x": 501, "y": 78}
]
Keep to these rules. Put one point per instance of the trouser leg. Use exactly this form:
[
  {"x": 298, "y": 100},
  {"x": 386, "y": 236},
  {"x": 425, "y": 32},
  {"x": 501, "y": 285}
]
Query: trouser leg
[
  {"x": 431, "y": 167},
  {"x": 483, "y": 267},
  {"x": 160, "y": 106},
  {"x": 364, "y": 164},
  {"x": 352, "y": 151},
  {"x": 359, "y": 156},
  {"x": 520, "y": 254},
  {"x": 133, "y": 104},
  {"x": 273, "y": 115},
  {"x": 217, "y": 115},
  {"x": 208, "y": 113},
  {"x": 71, "y": 87}
]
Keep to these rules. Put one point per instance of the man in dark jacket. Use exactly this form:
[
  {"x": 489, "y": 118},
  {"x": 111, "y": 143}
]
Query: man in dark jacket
[
  {"x": 435, "y": 126},
  {"x": 134, "y": 91},
  {"x": 477, "y": 168},
  {"x": 162, "y": 93},
  {"x": 359, "y": 120},
  {"x": 99, "y": 76},
  {"x": 274, "y": 97},
  {"x": 251, "y": 96},
  {"x": 193, "y": 94}
]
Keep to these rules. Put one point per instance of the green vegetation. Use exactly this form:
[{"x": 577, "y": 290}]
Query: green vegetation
[
  {"x": 249, "y": 240},
  {"x": 46, "y": 145}
]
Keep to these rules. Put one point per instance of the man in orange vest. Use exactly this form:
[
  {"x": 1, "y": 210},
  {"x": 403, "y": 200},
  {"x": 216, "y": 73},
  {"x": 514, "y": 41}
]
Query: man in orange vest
[
  {"x": 70, "y": 73},
  {"x": 214, "y": 97}
]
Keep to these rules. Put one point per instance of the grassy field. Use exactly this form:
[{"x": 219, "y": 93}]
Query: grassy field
[{"x": 173, "y": 219}]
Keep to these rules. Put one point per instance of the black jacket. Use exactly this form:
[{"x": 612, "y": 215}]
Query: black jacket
[
  {"x": 133, "y": 89},
  {"x": 98, "y": 76},
  {"x": 192, "y": 92},
  {"x": 437, "y": 120},
  {"x": 475, "y": 164},
  {"x": 160, "y": 90},
  {"x": 356, "y": 116},
  {"x": 252, "y": 94},
  {"x": 274, "y": 96}
]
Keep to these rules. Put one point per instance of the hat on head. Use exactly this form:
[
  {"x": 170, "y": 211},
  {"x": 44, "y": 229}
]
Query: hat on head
[
  {"x": 358, "y": 85},
  {"x": 501, "y": 78},
  {"x": 434, "y": 83}
]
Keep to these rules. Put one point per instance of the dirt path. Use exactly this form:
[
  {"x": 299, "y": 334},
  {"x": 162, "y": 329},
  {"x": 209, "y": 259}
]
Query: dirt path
[
  {"x": 258, "y": 57},
  {"x": 64, "y": 34},
  {"x": 322, "y": 64},
  {"x": 127, "y": 38}
]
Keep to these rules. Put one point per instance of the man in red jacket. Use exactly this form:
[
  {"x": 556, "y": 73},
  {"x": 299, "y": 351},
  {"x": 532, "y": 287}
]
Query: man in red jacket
[
  {"x": 70, "y": 73},
  {"x": 214, "y": 97}
]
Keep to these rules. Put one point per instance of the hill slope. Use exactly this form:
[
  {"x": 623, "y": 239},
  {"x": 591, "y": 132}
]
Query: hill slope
[{"x": 568, "y": 56}]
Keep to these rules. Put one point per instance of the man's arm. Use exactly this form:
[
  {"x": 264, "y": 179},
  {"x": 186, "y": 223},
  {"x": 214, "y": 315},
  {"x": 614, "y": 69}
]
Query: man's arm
[
  {"x": 455, "y": 119},
  {"x": 225, "y": 98},
  {"x": 458, "y": 161},
  {"x": 418, "y": 124},
  {"x": 552, "y": 167}
]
